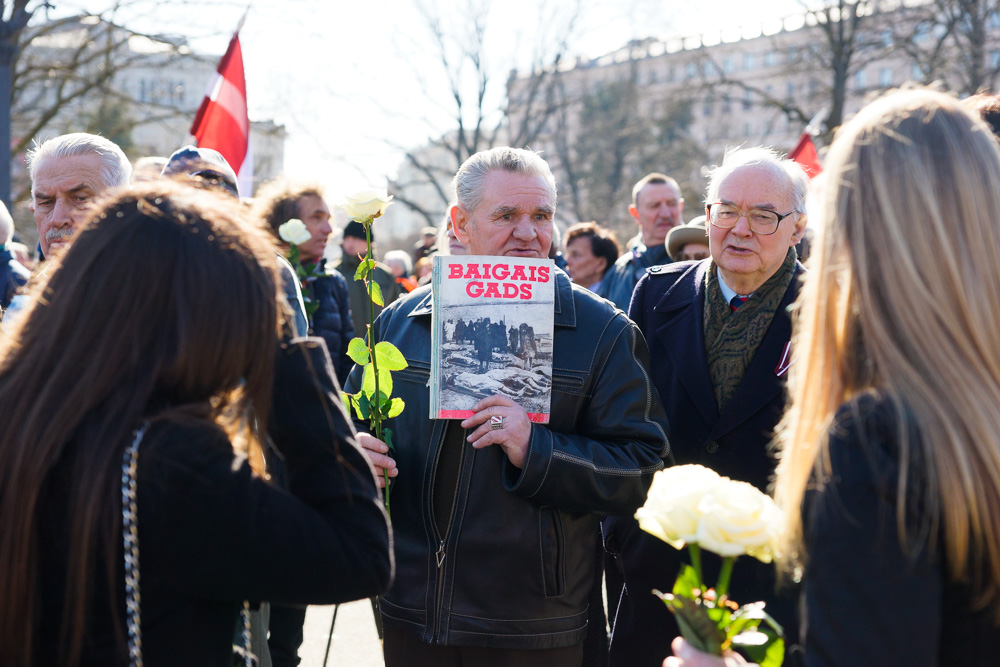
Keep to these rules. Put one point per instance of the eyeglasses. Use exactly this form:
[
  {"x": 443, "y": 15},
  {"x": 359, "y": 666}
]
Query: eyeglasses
[
  {"x": 761, "y": 221},
  {"x": 696, "y": 255}
]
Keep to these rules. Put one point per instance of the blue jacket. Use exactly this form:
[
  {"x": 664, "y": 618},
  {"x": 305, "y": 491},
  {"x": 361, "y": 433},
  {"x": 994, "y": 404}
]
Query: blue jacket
[
  {"x": 620, "y": 281},
  {"x": 332, "y": 318},
  {"x": 13, "y": 275}
]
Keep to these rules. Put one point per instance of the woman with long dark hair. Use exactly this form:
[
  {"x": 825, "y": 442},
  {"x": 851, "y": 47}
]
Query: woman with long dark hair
[
  {"x": 889, "y": 469},
  {"x": 158, "y": 331}
]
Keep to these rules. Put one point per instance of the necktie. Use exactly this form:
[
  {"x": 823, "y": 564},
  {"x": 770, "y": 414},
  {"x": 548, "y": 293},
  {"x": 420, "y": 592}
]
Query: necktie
[{"x": 736, "y": 302}]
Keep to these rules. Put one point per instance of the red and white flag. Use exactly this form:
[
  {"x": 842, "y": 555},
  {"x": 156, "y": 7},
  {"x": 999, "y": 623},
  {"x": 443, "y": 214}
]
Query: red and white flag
[
  {"x": 222, "y": 122},
  {"x": 805, "y": 154}
]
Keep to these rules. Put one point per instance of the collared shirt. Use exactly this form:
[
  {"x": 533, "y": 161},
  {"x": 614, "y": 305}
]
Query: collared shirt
[{"x": 728, "y": 291}]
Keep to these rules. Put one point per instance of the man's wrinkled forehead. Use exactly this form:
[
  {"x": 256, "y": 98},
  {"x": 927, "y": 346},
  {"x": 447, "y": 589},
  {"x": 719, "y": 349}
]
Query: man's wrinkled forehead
[
  {"x": 758, "y": 185},
  {"x": 68, "y": 174}
]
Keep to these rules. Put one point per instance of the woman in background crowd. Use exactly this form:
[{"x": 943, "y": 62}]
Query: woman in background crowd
[
  {"x": 590, "y": 251},
  {"x": 890, "y": 458},
  {"x": 402, "y": 266},
  {"x": 150, "y": 352}
]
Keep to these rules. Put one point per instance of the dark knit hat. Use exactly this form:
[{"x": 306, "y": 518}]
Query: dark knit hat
[{"x": 357, "y": 230}]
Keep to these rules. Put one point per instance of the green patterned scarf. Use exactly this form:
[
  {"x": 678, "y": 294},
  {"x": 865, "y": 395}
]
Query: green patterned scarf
[{"x": 732, "y": 338}]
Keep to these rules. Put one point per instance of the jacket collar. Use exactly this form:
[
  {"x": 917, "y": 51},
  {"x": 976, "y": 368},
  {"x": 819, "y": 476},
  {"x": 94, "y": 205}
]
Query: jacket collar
[
  {"x": 683, "y": 305},
  {"x": 565, "y": 306}
]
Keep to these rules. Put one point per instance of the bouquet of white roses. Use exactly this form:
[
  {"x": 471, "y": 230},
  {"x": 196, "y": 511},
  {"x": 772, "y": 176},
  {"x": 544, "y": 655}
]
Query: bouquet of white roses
[{"x": 693, "y": 506}]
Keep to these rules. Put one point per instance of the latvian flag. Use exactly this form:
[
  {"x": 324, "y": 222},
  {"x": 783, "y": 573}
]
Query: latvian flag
[
  {"x": 806, "y": 155},
  {"x": 222, "y": 122}
]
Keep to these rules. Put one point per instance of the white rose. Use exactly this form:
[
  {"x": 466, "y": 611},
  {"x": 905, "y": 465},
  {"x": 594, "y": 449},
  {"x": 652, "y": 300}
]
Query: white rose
[
  {"x": 738, "y": 519},
  {"x": 294, "y": 231},
  {"x": 672, "y": 512},
  {"x": 367, "y": 204}
]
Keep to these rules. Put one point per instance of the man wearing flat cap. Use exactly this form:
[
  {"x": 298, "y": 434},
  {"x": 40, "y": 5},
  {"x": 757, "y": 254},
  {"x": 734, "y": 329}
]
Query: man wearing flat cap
[{"x": 354, "y": 247}]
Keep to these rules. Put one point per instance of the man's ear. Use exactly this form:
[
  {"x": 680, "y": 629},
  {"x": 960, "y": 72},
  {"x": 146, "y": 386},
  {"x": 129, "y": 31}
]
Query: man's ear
[
  {"x": 634, "y": 212},
  {"x": 460, "y": 219},
  {"x": 800, "y": 229}
]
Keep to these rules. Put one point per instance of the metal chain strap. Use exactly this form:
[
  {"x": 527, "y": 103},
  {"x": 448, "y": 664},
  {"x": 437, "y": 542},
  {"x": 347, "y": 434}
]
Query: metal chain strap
[{"x": 130, "y": 538}]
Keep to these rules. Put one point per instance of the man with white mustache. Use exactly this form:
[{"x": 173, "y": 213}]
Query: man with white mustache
[{"x": 67, "y": 173}]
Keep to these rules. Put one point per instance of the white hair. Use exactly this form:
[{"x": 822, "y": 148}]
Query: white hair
[
  {"x": 115, "y": 167},
  {"x": 402, "y": 258},
  {"x": 469, "y": 181},
  {"x": 6, "y": 225},
  {"x": 798, "y": 181}
]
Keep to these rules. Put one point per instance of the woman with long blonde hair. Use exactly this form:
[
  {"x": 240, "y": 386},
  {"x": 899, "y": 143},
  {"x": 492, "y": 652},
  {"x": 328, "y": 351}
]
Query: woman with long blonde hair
[{"x": 889, "y": 467}]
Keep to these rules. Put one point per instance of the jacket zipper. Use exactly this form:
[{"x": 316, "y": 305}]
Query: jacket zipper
[{"x": 440, "y": 554}]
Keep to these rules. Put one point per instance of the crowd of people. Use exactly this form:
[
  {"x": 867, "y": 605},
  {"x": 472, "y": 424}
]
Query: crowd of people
[{"x": 179, "y": 477}]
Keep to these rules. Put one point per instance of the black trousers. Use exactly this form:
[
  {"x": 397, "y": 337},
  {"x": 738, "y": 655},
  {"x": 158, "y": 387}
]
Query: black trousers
[
  {"x": 285, "y": 635},
  {"x": 403, "y": 649}
]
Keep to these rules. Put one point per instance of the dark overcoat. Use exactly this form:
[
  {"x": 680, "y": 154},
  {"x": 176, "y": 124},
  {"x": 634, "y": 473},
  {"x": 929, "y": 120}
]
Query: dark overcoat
[{"x": 669, "y": 305}]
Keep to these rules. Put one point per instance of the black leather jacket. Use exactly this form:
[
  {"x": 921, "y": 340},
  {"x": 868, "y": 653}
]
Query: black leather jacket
[{"x": 516, "y": 565}]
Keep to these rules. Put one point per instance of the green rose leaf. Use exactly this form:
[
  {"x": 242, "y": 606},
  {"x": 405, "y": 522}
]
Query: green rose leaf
[
  {"x": 368, "y": 381},
  {"x": 696, "y": 627},
  {"x": 357, "y": 350},
  {"x": 364, "y": 268},
  {"x": 377, "y": 294},
  {"x": 687, "y": 582},
  {"x": 387, "y": 438},
  {"x": 762, "y": 646},
  {"x": 364, "y": 407},
  {"x": 396, "y": 408},
  {"x": 389, "y": 357},
  {"x": 384, "y": 381}
]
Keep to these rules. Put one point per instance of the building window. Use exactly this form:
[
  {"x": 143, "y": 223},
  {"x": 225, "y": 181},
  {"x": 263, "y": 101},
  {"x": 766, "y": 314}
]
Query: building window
[
  {"x": 726, "y": 102},
  {"x": 791, "y": 55},
  {"x": 918, "y": 71},
  {"x": 885, "y": 77},
  {"x": 707, "y": 110},
  {"x": 727, "y": 65},
  {"x": 994, "y": 59},
  {"x": 690, "y": 71},
  {"x": 652, "y": 76},
  {"x": 860, "y": 82},
  {"x": 746, "y": 129},
  {"x": 790, "y": 91},
  {"x": 769, "y": 59},
  {"x": 747, "y": 100},
  {"x": 748, "y": 61}
]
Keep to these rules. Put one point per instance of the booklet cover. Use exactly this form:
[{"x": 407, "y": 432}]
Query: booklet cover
[{"x": 492, "y": 334}]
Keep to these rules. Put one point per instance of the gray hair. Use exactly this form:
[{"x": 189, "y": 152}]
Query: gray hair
[
  {"x": 6, "y": 225},
  {"x": 402, "y": 258},
  {"x": 115, "y": 167},
  {"x": 798, "y": 181},
  {"x": 468, "y": 182}
]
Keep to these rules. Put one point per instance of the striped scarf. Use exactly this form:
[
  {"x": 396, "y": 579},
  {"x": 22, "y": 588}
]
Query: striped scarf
[{"x": 732, "y": 337}]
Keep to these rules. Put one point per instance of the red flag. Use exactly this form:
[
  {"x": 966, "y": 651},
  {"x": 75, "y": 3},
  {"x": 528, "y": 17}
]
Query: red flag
[
  {"x": 805, "y": 154},
  {"x": 222, "y": 122}
]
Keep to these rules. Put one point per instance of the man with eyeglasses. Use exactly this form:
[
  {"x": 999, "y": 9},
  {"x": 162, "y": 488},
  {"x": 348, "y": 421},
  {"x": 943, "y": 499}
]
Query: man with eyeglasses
[{"x": 718, "y": 332}]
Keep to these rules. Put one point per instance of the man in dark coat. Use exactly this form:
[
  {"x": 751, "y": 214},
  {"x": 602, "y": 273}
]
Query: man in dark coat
[
  {"x": 718, "y": 332},
  {"x": 354, "y": 246}
]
